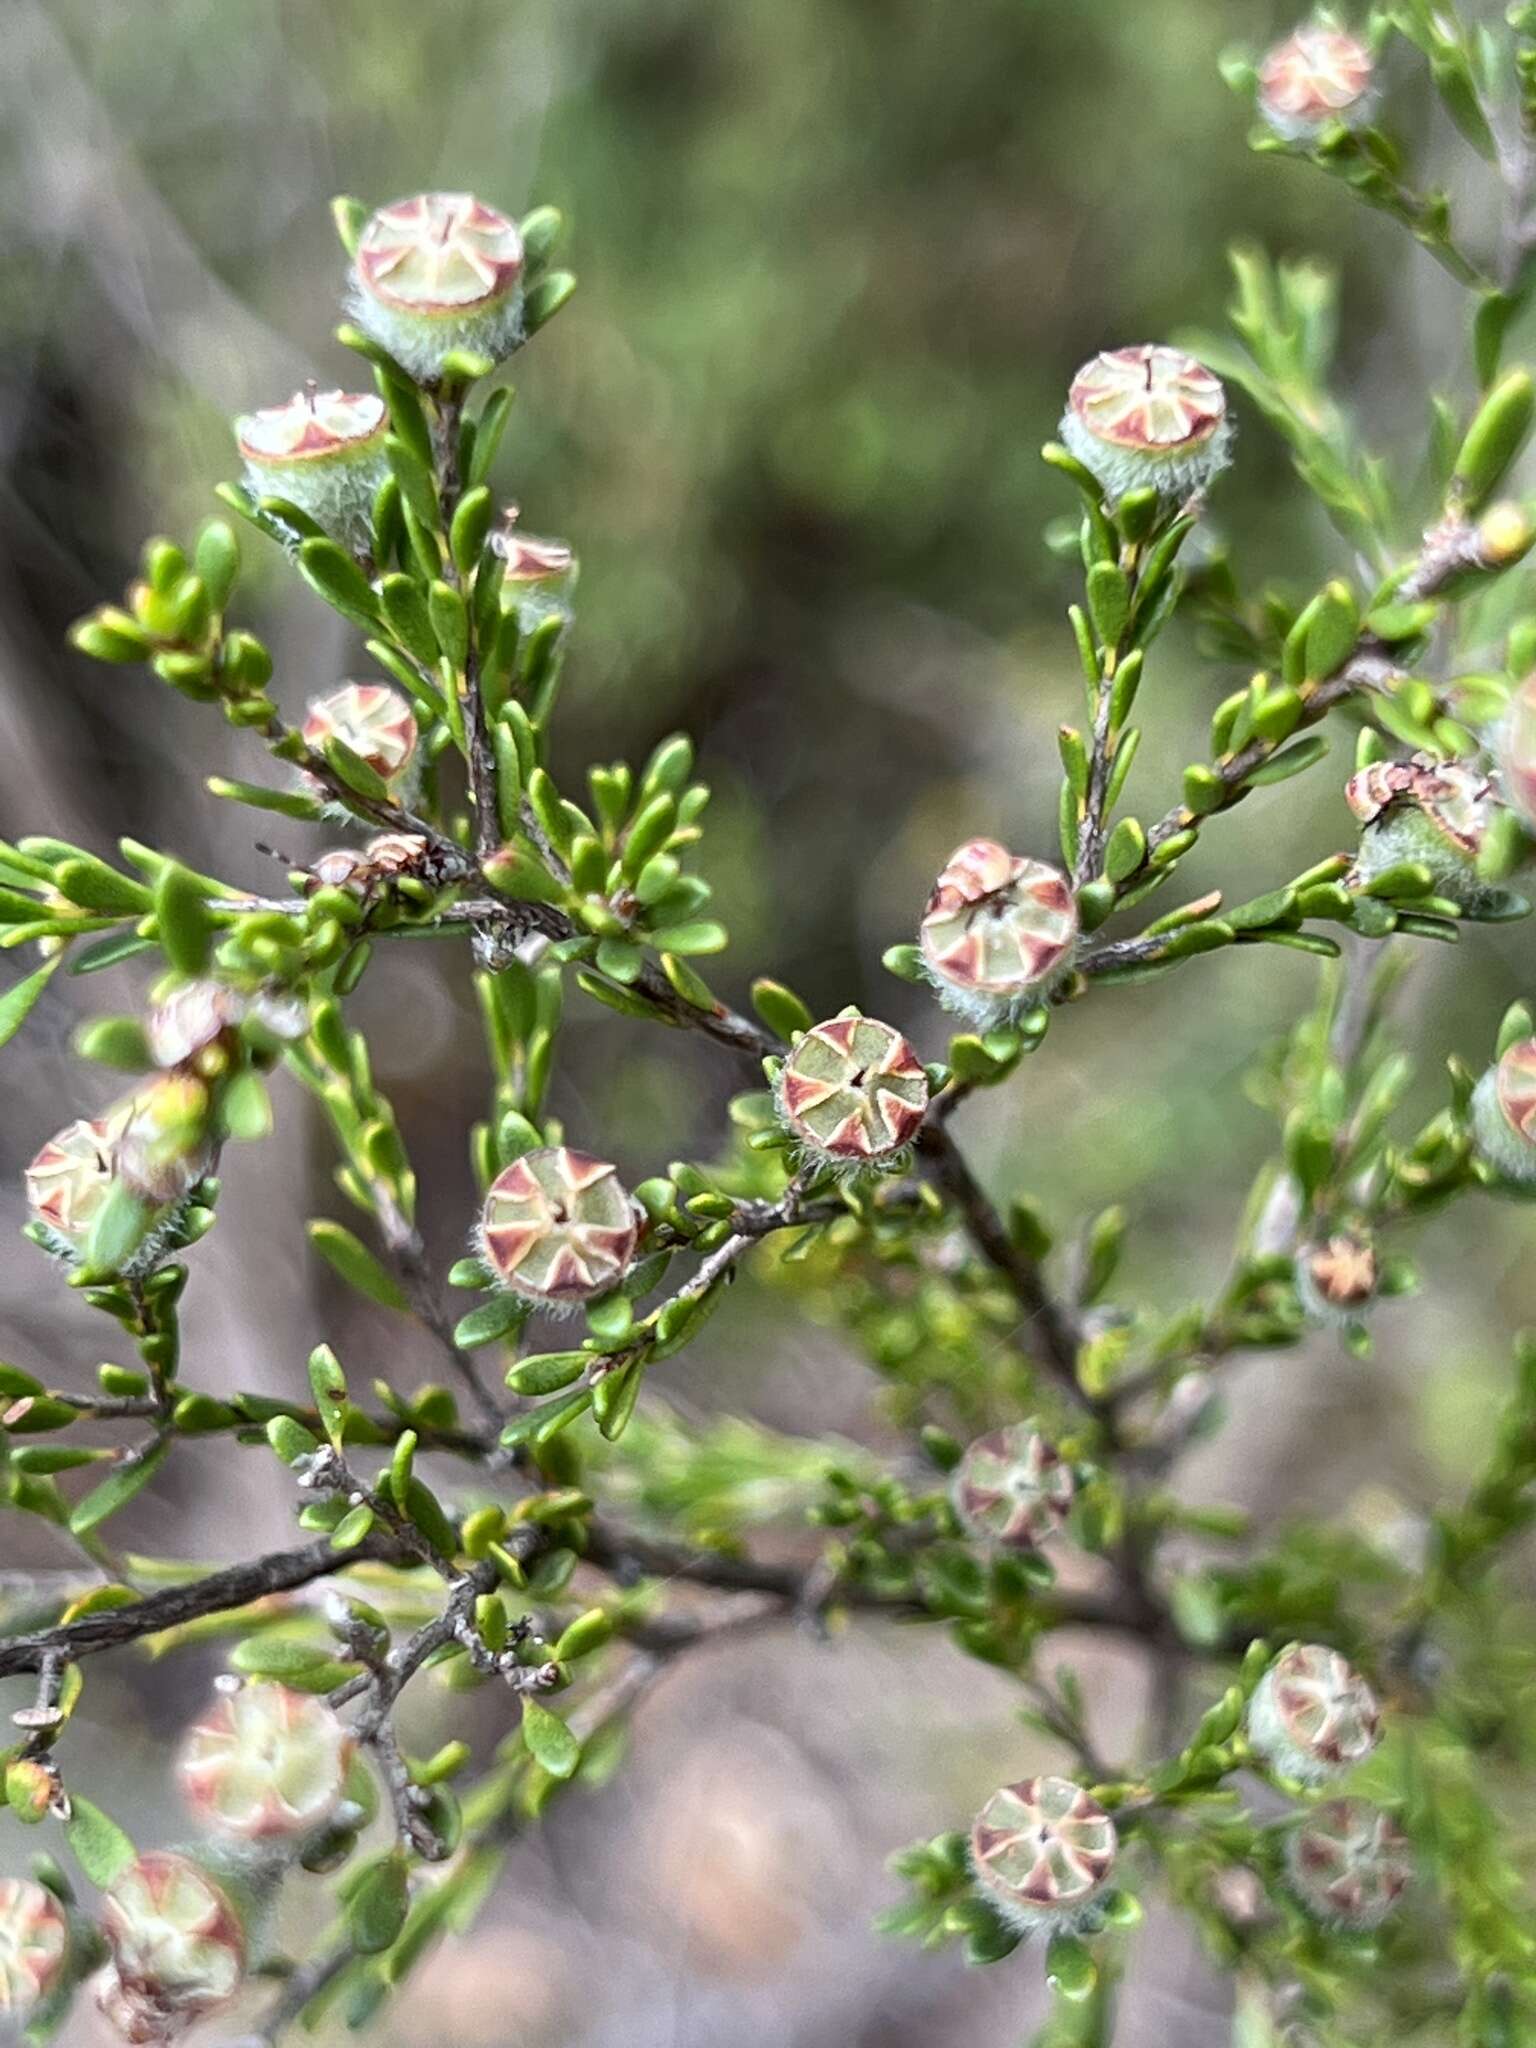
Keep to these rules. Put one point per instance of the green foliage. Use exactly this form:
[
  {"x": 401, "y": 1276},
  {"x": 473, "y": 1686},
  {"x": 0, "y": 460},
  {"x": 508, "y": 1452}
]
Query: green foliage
[{"x": 548, "y": 1561}]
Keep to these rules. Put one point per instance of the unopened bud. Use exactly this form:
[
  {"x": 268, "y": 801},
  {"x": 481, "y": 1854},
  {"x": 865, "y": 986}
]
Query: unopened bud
[
  {"x": 559, "y": 1227},
  {"x": 34, "y": 1939},
  {"x": 852, "y": 1093},
  {"x": 265, "y": 1762},
  {"x": 1012, "y": 1488},
  {"x": 1435, "y": 814},
  {"x": 998, "y": 930},
  {"x": 1148, "y": 417},
  {"x": 1504, "y": 535},
  {"x": 1312, "y": 1715},
  {"x": 324, "y": 452},
  {"x": 1316, "y": 77},
  {"x": 375, "y": 722},
  {"x": 1043, "y": 1851},
  {"x": 33, "y": 1790},
  {"x": 1336, "y": 1281},
  {"x": 178, "y": 1947},
  {"x": 1348, "y": 1863},
  {"x": 438, "y": 272},
  {"x": 1504, "y": 1114}
]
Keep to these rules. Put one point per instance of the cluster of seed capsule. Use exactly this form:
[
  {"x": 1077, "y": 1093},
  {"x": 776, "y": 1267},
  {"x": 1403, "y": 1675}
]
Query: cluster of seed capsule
[
  {"x": 264, "y": 1771},
  {"x": 1043, "y": 1851},
  {"x": 160, "y": 1140}
]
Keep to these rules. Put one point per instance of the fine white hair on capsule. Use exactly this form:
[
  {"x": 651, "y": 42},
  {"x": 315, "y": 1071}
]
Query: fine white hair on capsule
[
  {"x": 419, "y": 341},
  {"x": 1178, "y": 473},
  {"x": 337, "y": 494}
]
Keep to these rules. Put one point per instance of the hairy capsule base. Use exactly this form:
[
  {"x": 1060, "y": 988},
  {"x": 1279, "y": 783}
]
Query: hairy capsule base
[
  {"x": 1435, "y": 814},
  {"x": 324, "y": 452},
  {"x": 1503, "y": 1115}
]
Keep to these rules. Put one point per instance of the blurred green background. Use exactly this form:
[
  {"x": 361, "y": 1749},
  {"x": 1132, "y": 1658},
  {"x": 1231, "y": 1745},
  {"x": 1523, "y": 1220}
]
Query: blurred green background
[{"x": 839, "y": 259}]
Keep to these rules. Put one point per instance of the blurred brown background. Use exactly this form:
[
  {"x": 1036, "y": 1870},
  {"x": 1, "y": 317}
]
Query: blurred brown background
[{"x": 839, "y": 259}]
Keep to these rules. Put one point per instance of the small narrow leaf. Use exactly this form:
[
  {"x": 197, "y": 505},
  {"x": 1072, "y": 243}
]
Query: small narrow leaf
[{"x": 100, "y": 1846}]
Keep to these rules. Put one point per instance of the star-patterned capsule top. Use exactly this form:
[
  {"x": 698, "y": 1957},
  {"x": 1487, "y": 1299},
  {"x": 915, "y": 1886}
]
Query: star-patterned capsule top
[
  {"x": 1349, "y": 1861},
  {"x": 311, "y": 426},
  {"x": 439, "y": 252},
  {"x": 173, "y": 1933},
  {"x": 370, "y": 718},
  {"x": 1043, "y": 1843},
  {"x": 1150, "y": 397},
  {"x": 71, "y": 1176},
  {"x": 1012, "y": 1488},
  {"x": 559, "y": 1226},
  {"x": 853, "y": 1089},
  {"x": 1315, "y": 75},
  {"x": 1323, "y": 1704},
  {"x": 997, "y": 922},
  {"x": 265, "y": 1762}
]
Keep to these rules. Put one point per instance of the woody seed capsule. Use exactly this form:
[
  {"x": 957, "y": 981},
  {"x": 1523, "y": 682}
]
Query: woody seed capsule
[
  {"x": 178, "y": 1948},
  {"x": 1012, "y": 1488},
  {"x": 374, "y": 721},
  {"x": 1148, "y": 416},
  {"x": 998, "y": 929},
  {"x": 853, "y": 1093},
  {"x": 1435, "y": 813},
  {"x": 34, "y": 1938},
  {"x": 437, "y": 272},
  {"x": 1317, "y": 76},
  {"x": 324, "y": 452},
  {"x": 1504, "y": 1114},
  {"x": 265, "y": 1762},
  {"x": 1042, "y": 1851},
  {"x": 538, "y": 575},
  {"x": 1348, "y": 1863},
  {"x": 1336, "y": 1281},
  {"x": 559, "y": 1227},
  {"x": 71, "y": 1177},
  {"x": 1312, "y": 1715}
]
